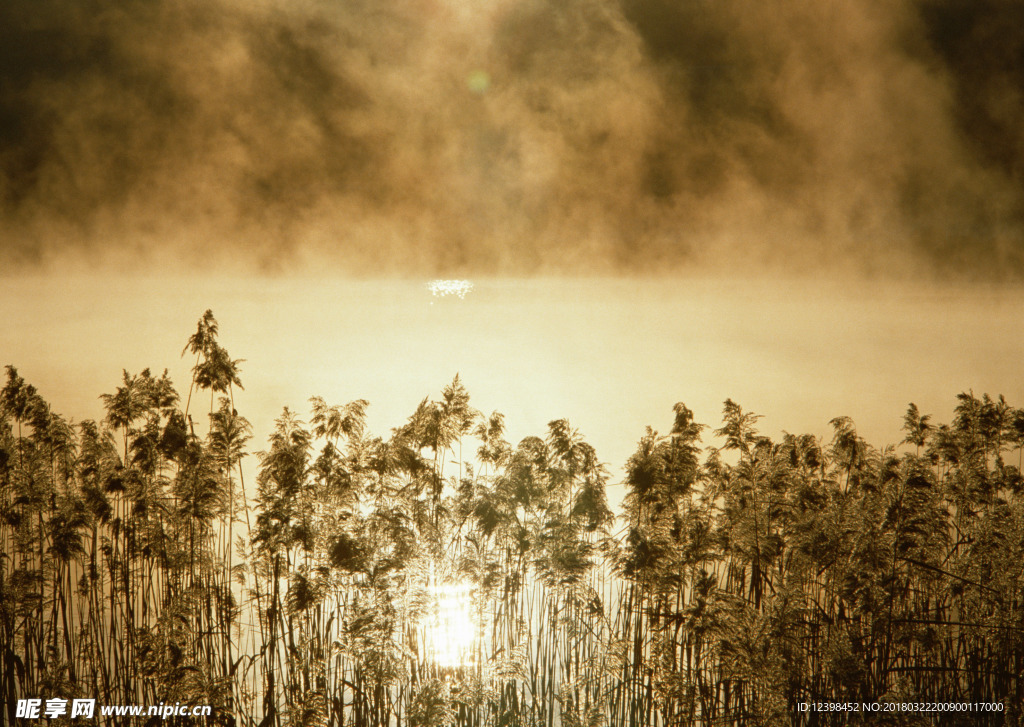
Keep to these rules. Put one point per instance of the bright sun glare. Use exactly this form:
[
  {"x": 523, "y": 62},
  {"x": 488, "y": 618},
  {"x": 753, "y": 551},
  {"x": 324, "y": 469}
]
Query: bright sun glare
[{"x": 450, "y": 625}]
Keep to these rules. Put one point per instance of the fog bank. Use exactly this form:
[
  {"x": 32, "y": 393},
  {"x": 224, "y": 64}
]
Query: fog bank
[{"x": 520, "y": 137}]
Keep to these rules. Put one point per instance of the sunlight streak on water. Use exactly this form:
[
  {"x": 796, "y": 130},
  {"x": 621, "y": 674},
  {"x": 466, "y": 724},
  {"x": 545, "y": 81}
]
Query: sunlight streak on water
[{"x": 449, "y": 287}]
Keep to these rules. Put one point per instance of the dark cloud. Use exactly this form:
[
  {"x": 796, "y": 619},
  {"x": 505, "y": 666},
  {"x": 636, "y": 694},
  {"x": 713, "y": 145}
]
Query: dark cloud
[{"x": 435, "y": 136}]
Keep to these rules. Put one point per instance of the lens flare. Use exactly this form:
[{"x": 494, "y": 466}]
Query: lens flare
[{"x": 478, "y": 81}]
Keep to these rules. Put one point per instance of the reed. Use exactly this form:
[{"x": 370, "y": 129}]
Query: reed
[{"x": 413, "y": 580}]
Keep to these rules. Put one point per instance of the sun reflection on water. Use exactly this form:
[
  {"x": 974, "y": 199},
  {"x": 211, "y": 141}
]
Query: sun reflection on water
[{"x": 450, "y": 625}]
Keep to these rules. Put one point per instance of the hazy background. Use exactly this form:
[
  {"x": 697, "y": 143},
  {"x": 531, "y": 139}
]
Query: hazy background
[
  {"x": 815, "y": 208},
  {"x": 510, "y": 137}
]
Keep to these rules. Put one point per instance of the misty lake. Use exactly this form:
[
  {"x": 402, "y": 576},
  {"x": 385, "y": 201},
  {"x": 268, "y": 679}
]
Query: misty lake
[{"x": 610, "y": 355}]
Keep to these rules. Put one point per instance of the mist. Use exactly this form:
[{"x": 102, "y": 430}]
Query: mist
[{"x": 513, "y": 138}]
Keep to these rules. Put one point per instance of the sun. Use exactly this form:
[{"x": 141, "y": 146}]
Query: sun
[{"x": 451, "y": 626}]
